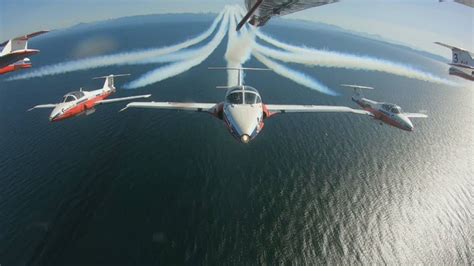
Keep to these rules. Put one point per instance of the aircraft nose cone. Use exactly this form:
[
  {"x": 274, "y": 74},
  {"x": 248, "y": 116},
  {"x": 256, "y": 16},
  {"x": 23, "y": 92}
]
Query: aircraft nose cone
[
  {"x": 52, "y": 118},
  {"x": 245, "y": 138},
  {"x": 244, "y": 121},
  {"x": 55, "y": 114},
  {"x": 407, "y": 124}
]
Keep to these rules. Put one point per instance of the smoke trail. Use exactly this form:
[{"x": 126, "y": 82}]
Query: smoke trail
[
  {"x": 239, "y": 50},
  {"x": 121, "y": 58},
  {"x": 171, "y": 70},
  {"x": 173, "y": 57},
  {"x": 185, "y": 54},
  {"x": 296, "y": 76},
  {"x": 232, "y": 75},
  {"x": 314, "y": 57}
]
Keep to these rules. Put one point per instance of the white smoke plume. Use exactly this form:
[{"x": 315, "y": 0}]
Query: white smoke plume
[
  {"x": 314, "y": 57},
  {"x": 294, "y": 75},
  {"x": 232, "y": 76},
  {"x": 118, "y": 59},
  {"x": 239, "y": 49},
  {"x": 174, "y": 69}
]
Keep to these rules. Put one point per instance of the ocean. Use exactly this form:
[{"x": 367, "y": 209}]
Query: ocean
[{"x": 168, "y": 187}]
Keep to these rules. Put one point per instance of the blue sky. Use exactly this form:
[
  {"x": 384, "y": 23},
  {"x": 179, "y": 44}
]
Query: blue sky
[{"x": 417, "y": 23}]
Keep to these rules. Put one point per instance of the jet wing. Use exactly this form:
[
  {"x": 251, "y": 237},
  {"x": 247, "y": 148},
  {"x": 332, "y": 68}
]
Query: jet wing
[
  {"x": 123, "y": 99},
  {"x": 415, "y": 115},
  {"x": 49, "y": 105},
  {"x": 260, "y": 11},
  {"x": 273, "y": 108},
  {"x": 25, "y": 37},
  {"x": 197, "y": 107}
]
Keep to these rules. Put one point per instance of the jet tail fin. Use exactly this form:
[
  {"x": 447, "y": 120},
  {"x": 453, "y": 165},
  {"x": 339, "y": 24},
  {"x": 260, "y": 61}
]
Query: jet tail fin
[
  {"x": 109, "y": 80},
  {"x": 459, "y": 56}
]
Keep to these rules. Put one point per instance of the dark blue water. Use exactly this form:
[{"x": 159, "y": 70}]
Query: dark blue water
[{"x": 165, "y": 187}]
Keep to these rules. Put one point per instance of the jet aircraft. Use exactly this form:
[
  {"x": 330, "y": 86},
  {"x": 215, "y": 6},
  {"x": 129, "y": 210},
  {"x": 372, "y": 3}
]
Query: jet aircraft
[
  {"x": 469, "y": 3},
  {"x": 15, "y": 51},
  {"x": 84, "y": 102},
  {"x": 242, "y": 110},
  {"x": 462, "y": 62},
  {"x": 387, "y": 113},
  {"x": 260, "y": 11}
]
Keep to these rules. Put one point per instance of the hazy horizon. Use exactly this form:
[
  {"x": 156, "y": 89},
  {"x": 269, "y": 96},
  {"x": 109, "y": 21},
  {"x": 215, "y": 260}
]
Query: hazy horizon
[{"x": 446, "y": 22}]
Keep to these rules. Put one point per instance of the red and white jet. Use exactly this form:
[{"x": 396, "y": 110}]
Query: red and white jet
[
  {"x": 242, "y": 110},
  {"x": 15, "y": 52},
  {"x": 388, "y": 113},
  {"x": 83, "y": 102}
]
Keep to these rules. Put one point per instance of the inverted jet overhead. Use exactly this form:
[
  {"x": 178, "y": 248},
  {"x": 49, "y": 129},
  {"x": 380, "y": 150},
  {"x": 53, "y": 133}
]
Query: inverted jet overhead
[{"x": 260, "y": 11}]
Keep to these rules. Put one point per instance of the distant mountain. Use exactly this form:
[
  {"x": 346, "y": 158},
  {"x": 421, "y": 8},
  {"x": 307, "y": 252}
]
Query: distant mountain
[{"x": 319, "y": 25}]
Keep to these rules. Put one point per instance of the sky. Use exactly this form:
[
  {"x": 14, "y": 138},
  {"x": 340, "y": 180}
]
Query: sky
[{"x": 415, "y": 23}]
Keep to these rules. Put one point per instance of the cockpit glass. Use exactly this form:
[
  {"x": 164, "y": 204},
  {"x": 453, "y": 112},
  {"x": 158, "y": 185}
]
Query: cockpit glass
[
  {"x": 250, "y": 98},
  {"x": 235, "y": 98},
  {"x": 69, "y": 98},
  {"x": 396, "y": 110}
]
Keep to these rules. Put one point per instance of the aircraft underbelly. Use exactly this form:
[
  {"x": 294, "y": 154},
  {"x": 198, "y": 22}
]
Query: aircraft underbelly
[
  {"x": 463, "y": 73},
  {"x": 9, "y": 59},
  {"x": 284, "y": 7}
]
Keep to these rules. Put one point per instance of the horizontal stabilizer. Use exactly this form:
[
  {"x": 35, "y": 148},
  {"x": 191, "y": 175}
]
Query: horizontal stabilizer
[
  {"x": 239, "y": 68},
  {"x": 240, "y": 71},
  {"x": 450, "y": 46},
  {"x": 112, "y": 76},
  {"x": 357, "y": 86},
  {"x": 51, "y": 105},
  {"x": 109, "y": 80}
]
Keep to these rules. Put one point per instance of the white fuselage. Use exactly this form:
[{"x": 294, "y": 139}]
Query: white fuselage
[{"x": 243, "y": 112}]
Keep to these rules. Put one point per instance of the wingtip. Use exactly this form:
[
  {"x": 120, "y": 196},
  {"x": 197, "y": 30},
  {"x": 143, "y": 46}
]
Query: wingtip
[{"x": 123, "y": 109}]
